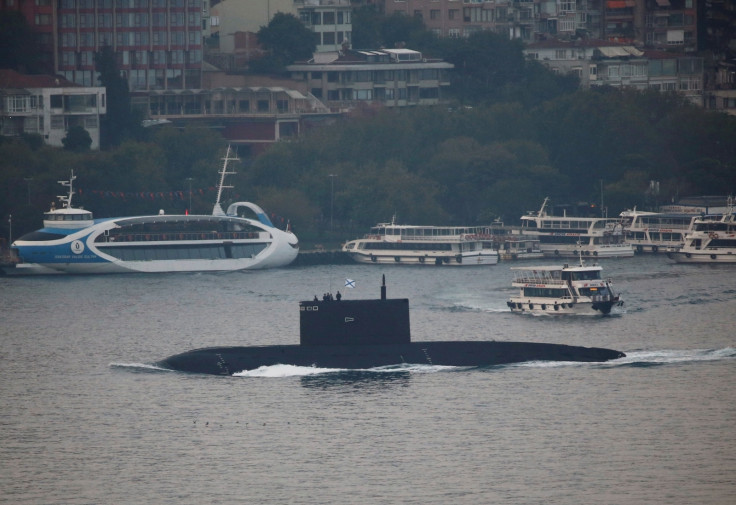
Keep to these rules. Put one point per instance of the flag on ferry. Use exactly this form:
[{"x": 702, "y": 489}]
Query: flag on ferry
[{"x": 349, "y": 283}]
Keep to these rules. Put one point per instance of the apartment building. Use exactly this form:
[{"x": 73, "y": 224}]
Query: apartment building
[
  {"x": 330, "y": 20},
  {"x": 390, "y": 77},
  {"x": 603, "y": 63},
  {"x": 654, "y": 23},
  {"x": 48, "y": 106}
]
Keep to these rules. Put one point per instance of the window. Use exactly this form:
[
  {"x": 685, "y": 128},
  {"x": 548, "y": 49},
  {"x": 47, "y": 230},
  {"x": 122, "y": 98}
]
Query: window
[
  {"x": 43, "y": 19},
  {"x": 263, "y": 106},
  {"x": 328, "y": 18}
]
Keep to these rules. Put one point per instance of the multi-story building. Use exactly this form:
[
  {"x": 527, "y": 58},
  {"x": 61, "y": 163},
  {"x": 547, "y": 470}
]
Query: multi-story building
[
  {"x": 654, "y": 23},
  {"x": 602, "y": 63},
  {"x": 49, "y": 106},
  {"x": 331, "y": 20},
  {"x": 158, "y": 42},
  {"x": 390, "y": 77}
]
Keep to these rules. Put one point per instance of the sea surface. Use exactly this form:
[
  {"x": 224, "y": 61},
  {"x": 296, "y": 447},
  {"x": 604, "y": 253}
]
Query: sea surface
[{"x": 87, "y": 417}]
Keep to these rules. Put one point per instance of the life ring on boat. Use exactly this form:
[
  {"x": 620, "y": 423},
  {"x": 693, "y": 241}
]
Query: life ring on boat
[
  {"x": 544, "y": 306},
  {"x": 688, "y": 255},
  {"x": 557, "y": 252},
  {"x": 640, "y": 249},
  {"x": 459, "y": 258},
  {"x": 595, "y": 253},
  {"x": 397, "y": 259},
  {"x": 712, "y": 256},
  {"x": 373, "y": 258},
  {"x": 529, "y": 249},
  {"x": 587, "y": 253},
  {"x": 655, "y": 248},
  {"x": 557, "y": 307},
  {"x": 531, "y": 306},
  {"x": 421, "y": 259}
]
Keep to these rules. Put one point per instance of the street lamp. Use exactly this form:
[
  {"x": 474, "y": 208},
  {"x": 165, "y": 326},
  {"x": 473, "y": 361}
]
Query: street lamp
[
  {"x": 28, "y": 183},
  {"x": 189, "y": 179},
  {"x": 332, "y": 196}
]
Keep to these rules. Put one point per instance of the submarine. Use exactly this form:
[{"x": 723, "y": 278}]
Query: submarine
[{"x": 364, "y": 334}]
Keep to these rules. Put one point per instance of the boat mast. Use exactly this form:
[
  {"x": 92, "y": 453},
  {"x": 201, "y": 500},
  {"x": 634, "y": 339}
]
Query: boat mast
[
  {"x": 217, "y": 210},
  {"x": 66, "y": 200}
]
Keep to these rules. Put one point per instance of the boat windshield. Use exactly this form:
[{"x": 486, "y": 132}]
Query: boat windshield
[{"x": 585, "y": 275}]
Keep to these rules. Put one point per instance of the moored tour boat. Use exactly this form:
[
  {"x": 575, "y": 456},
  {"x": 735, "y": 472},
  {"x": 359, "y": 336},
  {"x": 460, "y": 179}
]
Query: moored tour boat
[
  {"x": 563, "y": 236},
  {"x": 390, "y": 243},
  {"x": 563, "y": 290},
  {"x": 710, "y": 240},
  {"x": 73, "y": 242}
]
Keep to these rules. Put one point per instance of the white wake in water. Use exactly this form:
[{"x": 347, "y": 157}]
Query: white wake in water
[
  {"x": 142, "y": 367},
  {"x": 303, "y": 371},
  {"x": 644, "y": 358}
]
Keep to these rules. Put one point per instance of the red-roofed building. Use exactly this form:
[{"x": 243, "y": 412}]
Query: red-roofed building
[{"x": 49, "y": 105}]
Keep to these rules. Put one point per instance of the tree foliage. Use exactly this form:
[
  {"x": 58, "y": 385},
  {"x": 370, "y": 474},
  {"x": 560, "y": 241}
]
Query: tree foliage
[
  {"x": 18, "y": 46},
  {"x": 287, "y": 40},
  {"x": 77, "y": 139}
]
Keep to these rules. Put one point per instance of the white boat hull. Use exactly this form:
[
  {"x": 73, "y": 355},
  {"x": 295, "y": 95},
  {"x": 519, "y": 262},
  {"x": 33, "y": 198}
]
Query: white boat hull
[
  {"x": 703, "y": 257},
  {"x": 571, "y": 251},
  {"x": 542, "y": 306},
  {"x": 467, "y": 259}
]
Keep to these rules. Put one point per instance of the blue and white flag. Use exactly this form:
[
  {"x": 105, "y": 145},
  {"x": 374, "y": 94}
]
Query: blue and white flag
[{"x": 349, "y": 283}]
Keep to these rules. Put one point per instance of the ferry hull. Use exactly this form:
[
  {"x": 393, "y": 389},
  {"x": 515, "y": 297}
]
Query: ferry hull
[
  {"x": 704, "y": 257},
  {"x": 561, "y": 251},
  {"x": 551, "y": 308},
  {"x": 230, "y": 360},
  {"x": 404, "y": 259}
]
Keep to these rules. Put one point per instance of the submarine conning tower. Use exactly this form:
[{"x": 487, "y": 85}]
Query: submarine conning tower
[{"x": 355, "y": 322}]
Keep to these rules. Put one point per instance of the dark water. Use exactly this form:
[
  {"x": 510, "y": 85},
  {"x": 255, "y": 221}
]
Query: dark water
[{"x": 86, "y": 419}]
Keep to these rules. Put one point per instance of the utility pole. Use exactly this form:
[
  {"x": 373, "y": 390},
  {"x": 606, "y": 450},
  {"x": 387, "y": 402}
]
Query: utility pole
[{"x": 332, "y": 196}]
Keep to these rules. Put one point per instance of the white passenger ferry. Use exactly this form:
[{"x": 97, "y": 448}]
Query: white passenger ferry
[
  {"x": 712, "y": 239},
  {"x": 73, "y": 242},
  {"x": 562, "y": 290},
  {"x": 573, "y": 236},
  {"x": 655, "y": 231},
  {"x": 391, "y": 243}
]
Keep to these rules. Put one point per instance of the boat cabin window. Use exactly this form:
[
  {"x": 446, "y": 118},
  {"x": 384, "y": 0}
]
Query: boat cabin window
[
  {"x": 596, "y": 291},
  {"x": 585, "y": 275}
]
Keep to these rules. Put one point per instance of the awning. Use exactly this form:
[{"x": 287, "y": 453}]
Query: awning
[
  {"x": 620, "y": 51},
  {"x": 621, "y": 4}
]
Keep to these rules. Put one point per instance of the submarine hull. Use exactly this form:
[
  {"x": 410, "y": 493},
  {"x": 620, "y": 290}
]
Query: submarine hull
[{"x": 230, "y": 360}]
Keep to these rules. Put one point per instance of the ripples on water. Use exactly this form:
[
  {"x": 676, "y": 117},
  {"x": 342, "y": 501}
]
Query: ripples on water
[{"x": 87, "y": 417}]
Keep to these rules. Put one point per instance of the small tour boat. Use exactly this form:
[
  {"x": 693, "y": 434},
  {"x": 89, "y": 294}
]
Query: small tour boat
[
  {"x": 563, "y": 290},
  {"x": 711, "y": 239},
  {"x": 565, "y": 236},
  {"x": 391, "y": 243}
]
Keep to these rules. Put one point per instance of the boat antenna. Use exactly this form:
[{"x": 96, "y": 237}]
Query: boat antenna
[
  {"x": 217, "y": 210},
  {"x": 66, "y": 200}
]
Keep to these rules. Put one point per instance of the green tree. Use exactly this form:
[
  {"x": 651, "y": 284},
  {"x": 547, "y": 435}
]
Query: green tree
[
  {"x": 77, "y": 139},
  {"x": 287, "y": 40},
  {"x": 18, "y": 47},
  {"x": 119, "y": 122}
]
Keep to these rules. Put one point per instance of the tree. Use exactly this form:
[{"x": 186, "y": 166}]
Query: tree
[
  {"x": 287, "y": 40},
  {"x": 18, "y": 47},
  {"x": 119, "y": 123},
  {"x": 77, "y": 139}
]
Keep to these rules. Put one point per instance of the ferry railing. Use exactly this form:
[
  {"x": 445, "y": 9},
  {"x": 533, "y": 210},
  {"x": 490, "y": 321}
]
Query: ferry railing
[{"x": 176, "y": 236}]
